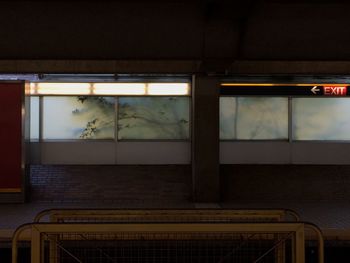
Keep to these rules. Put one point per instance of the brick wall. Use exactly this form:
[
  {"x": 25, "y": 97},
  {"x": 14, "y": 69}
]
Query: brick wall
[
  {"x": 285, "y": 182},
  {"x": 104, "y": 183},
  {"x": 172, "y": 184}
]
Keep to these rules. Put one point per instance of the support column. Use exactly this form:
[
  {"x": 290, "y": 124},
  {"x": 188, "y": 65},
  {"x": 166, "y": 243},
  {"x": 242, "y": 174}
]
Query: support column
[{"x": 205, "y": 139}]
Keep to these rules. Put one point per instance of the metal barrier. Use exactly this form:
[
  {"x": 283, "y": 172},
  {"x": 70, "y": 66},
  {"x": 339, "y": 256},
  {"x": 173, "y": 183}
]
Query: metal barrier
[
  {"x": 167, "y": 242},
  {"x": 164, "y": 215}
]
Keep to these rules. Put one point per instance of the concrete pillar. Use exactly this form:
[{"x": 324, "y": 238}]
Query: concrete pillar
[{"x": 205, "y": 139}]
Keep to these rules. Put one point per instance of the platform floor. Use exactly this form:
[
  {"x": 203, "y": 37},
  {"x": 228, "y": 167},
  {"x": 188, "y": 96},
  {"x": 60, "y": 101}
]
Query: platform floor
[{"x": 332, "y": 217}]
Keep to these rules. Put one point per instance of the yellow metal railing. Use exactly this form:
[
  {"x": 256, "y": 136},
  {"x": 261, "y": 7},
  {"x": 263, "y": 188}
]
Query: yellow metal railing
[
  {"x": 167, "y": 216},
  {"x": 218, "y": 241},
  {"x": 164, "y": 215}
]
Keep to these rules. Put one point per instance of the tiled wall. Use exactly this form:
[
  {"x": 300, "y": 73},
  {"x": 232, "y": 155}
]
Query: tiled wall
[
  {"x": 172, "y": 184},
  {"x": 108, "y": 183}
]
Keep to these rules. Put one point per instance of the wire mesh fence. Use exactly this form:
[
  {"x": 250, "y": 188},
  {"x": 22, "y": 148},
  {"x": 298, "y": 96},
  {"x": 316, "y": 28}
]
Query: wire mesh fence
[{"x": 168, "y": 247}]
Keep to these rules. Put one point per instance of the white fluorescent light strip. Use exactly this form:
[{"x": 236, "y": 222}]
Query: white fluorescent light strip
[
  {"x": 119, "y": 89},
  {"x": 32, "y": 88},
  {"x": 63, "y": 88},
  {"x": 168, "y": 89},
  {"x": 46, "y": 88}
]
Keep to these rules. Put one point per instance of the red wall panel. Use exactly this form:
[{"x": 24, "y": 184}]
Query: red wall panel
[{"x": 11, "y": 96}]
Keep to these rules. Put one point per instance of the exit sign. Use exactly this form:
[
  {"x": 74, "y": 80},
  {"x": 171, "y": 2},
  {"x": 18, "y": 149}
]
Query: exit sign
[{"x": 334, "y": 90}]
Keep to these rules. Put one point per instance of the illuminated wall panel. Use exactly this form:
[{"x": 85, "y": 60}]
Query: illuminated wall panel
[
  {"x": 78, "y": 117},
  {"x": 155, "y": 118},
  {"x": 321, "y": 119},
  {"x": 253, "y": 118}
]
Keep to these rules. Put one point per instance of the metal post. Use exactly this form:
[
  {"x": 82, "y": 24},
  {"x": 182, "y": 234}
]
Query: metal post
[
  {"x": 300, "y": 245},
  {"x": 35, "y": 246}
]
